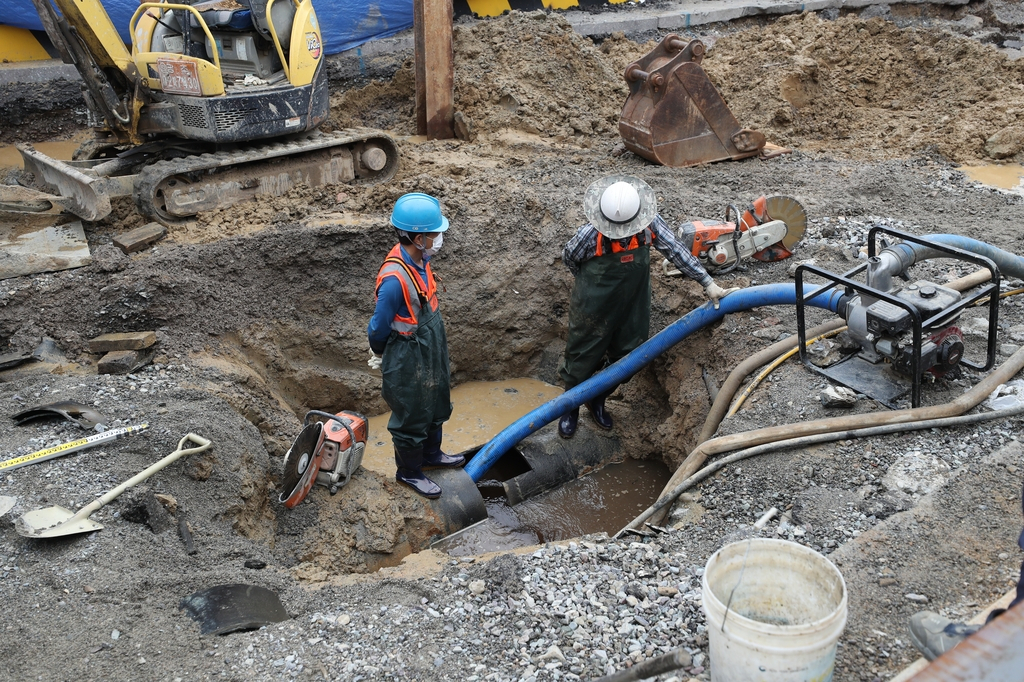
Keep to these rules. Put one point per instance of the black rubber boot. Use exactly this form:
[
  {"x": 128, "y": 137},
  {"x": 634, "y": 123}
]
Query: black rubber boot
[
  {"x": 433, "y": 456},
  {"x": 597, "y": 411},
  {"x": 410, "y": 472},
  {"x": 567, "y": 424}
]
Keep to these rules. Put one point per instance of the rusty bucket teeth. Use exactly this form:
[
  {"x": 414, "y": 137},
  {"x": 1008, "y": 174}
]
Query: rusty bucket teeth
[{"x": 675, "y": 116}]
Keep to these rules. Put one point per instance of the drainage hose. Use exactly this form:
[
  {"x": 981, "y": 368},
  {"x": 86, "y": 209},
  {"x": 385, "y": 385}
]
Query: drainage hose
[
  {"x": 607, "y": 379},
  {"x": 667, "y": 499},
  {"x": 962, "y": 404},
  {"x": 1008, "y": 263}
]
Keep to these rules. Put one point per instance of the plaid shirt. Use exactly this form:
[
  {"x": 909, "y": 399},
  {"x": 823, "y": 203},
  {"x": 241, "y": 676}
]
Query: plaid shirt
[{"x": 583, "y": 246}]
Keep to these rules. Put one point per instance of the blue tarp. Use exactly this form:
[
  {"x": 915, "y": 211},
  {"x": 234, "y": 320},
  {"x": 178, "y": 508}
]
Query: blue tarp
[{"x": 343, "y": 24}]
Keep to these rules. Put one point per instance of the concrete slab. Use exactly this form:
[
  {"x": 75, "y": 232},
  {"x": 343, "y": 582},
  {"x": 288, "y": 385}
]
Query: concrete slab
[
  {"x": 41, "y": 71},
  {"x": 27, "y": 247}
]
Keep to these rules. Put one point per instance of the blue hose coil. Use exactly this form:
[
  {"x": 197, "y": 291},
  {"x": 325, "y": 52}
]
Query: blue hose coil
[{"x": 610, "y": 377}]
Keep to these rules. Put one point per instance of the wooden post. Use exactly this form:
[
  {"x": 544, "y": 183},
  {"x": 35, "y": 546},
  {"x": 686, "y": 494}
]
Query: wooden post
[{"x": 435, "y": 69}]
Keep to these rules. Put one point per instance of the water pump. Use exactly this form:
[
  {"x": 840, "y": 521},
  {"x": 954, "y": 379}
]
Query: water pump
[{"x": 902, "y": 331}]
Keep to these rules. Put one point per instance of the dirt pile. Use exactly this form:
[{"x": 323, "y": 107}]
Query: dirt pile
[
  {"x": 528, "y": 72},
  {"x": 533, "y": 73},
  {"x": 877, "y": 90}
]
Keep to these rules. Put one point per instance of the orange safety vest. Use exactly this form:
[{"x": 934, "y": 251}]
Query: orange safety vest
[
  {"x": 606, "y": 245},
  {"x": 411, "y": 281}
]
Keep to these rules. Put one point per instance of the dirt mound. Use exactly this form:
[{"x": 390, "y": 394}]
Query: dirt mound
[
  {"x": 878, "y": 90},
  {"x": 388, "y": 105},
  {"x": 532, "y": 72},
  {"x": 528, "y": 72}
]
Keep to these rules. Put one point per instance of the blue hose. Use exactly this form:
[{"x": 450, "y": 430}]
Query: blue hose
[
  {"x": 607, "y": 379},
  {"x": 1008, "y": 263}
]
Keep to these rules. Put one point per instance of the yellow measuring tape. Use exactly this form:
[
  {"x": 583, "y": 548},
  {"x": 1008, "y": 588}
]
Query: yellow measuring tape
[{"x": 71, "y": 446}]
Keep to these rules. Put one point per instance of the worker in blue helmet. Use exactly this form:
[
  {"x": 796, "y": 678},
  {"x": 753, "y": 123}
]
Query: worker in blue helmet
[{"x": 409, "y": 346}]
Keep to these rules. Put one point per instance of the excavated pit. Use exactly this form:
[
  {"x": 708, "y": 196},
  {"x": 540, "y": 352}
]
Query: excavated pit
[
  {"x": 261, "y": 313},
  {"x": 274, "y": 325},
  {"x": 268, "y": 301}
]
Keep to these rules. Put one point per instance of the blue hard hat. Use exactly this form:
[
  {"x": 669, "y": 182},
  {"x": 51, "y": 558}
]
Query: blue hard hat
[{"x": 418, "y": 213}]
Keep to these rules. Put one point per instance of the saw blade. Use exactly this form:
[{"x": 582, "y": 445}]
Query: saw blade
[
  {"x": 791, "y": 212},
  {"x": 299, "y": 460}
]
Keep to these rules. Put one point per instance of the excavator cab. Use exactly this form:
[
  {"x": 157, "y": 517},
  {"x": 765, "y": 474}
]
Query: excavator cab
[{"x": 226, "y": 71}]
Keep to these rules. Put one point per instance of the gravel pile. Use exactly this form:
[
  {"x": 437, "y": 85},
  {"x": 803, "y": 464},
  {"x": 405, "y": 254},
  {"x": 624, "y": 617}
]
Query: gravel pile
[{"x": 574, "y": 611}]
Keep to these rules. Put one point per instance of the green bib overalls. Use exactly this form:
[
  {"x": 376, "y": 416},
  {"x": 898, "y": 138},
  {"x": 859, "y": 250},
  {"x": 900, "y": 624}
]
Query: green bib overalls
[{"x": 609, "y": 312}]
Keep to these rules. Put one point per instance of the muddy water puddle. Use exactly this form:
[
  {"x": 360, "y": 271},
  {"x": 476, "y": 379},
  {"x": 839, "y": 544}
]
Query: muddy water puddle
[
  {"x": 11, "y": 158},
  {"x": 1008, "y": 176},
  {"x": 481, "y": 409},
  {"x": 605, "y": 500}
]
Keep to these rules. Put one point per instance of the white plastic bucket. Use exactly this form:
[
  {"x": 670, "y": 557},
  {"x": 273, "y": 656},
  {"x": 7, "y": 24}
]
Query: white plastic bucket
[{"x": 787, "y": 609}]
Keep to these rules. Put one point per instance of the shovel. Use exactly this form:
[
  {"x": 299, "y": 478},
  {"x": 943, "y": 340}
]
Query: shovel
[
  {"x": 56, "y": 521},
  {"x": 7, "y": 503}
]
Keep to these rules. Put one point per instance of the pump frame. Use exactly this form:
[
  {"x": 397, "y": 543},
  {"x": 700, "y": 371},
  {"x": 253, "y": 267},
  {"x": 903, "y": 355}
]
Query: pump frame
[{"x": 846, "y": 279}]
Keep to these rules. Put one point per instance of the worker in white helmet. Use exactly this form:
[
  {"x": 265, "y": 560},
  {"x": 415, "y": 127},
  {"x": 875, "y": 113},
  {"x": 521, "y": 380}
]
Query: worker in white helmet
[{"x": 610, "y": 308}]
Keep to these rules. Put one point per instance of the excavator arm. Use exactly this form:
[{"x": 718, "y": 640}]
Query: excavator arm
[{"x": 86, "y": 38}]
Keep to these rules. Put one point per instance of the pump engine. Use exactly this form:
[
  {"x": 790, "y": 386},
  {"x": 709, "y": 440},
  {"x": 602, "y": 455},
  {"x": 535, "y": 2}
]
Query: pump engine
[{"x": 884, "y": 331}]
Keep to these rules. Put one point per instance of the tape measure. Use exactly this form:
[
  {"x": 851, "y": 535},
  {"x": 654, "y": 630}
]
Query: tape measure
[{"x": 71, "y": 446}]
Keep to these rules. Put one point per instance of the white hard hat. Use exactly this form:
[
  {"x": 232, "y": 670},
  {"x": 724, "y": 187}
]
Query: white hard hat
[
  {"x": 620, "y": 205},
  {"x": 620, "y": 202}
]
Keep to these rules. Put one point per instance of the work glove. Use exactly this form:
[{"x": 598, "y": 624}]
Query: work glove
[
  {"x": 375, "y": 360},
  {"x": 715, "y": 292}
]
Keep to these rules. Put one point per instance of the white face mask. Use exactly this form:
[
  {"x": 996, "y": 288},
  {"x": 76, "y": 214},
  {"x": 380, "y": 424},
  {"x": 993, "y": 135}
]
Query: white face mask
[{"x": 438, "y": 241}]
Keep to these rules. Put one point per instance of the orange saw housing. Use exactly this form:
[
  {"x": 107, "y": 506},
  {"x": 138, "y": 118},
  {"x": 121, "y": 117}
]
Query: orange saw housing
[{"x": 756, "y": 213}]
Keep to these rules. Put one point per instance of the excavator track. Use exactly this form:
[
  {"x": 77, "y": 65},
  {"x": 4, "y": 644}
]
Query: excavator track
[{"x": 175, "y": 190}]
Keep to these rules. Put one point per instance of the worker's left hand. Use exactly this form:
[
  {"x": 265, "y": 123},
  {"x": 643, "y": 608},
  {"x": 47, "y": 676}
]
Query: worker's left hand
[
  {"x": 375, "y": 360},
  {"x": 715, "y": 292}
]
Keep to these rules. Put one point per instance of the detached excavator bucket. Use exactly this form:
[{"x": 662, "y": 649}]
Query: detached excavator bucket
[{"x": 674, "y": 115}]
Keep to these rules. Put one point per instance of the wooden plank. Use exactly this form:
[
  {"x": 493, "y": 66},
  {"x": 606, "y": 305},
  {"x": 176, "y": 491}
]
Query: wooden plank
[
  {"x": 435, "y": 69},
  {"x": 140, "y": 237},
  {"x": 420, "y": 66},
  {"x": 122, "y": 341}
]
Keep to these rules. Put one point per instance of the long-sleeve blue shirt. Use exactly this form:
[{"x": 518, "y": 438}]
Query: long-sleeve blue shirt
[{"x": 390, "y": 302}]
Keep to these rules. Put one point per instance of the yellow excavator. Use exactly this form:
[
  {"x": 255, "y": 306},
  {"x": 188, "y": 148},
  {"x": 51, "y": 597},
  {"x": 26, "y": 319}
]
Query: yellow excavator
[{"x": 217, "y": 101}]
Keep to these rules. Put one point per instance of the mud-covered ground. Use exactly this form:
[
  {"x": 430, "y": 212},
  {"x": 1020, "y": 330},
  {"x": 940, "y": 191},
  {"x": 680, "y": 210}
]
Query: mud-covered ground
[{"x": 261, "y": 313}]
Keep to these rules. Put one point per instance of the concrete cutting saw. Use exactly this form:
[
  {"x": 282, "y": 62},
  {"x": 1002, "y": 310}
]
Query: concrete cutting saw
[
  {"x": 326, "y": 452},
  {"x": 767, "y": 231}
]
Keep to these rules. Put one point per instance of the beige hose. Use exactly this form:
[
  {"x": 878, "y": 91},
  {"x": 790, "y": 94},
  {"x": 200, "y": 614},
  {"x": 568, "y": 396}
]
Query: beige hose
[
  {"x": 736, "y": 377},
  {"x": 771, "y": 368},
  {"x": 789, "y": 443},
  {"x": 964, "y": 402}
]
